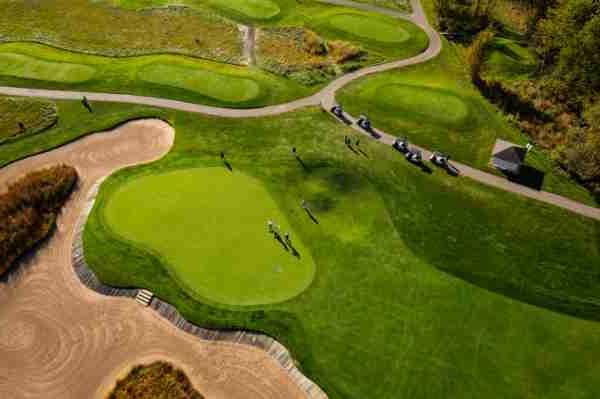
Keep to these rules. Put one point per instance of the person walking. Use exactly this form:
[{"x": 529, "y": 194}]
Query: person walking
[{"x": 270, "y": 226}]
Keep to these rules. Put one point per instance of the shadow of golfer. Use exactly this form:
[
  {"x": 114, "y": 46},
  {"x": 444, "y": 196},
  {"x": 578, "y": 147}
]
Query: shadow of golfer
[
  {"x": 301, "y": 162},
  {"x": 312, "y": 217},
  {"x": 352, "y": 148},
  {"x": 278, "y": 238},
  {"x": 227, "y": 165}
]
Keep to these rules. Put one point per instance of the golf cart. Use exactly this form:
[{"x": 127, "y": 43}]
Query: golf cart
[
  {"x": 401, "y": 144},
  {"x": 364, "y": 123},
  {"x": 440, "y": 159},
  {"x": 337, "y": 111},
  {"x": 414, "y": 156}
]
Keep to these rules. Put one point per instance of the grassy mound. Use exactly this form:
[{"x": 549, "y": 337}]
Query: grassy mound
[
  {"x": 208, "y": 83},
  {"x": 441, "y": 265},
  {"x": 369, "y": 28},
  {"x": 508, "y": 60},
  {"x": 436, "y": 106},
  {"x": 217, "y": 247},
  {"x": 158, "y": 380},
  {"x": 255, "y": 10},
  {"x": 381, "y": 35},
  {"x": 25, "y": 116},
  {"x": 171, "y": 76},
  {"x": 23, "y": 66}
]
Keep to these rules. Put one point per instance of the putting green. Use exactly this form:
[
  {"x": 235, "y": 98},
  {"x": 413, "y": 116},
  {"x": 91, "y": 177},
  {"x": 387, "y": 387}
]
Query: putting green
[
  {"x": 23, "y": 66},
  {"x": 210, "y": 227},
  {"x": 223, "y": 87},
  {"x": 423, "y": 102},
  {"x": 370, "y": 28}
]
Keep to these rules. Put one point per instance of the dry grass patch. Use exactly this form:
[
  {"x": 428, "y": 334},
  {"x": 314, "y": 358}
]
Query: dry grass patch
[
  {"x": 303, "y": 55},
  {"x": 100, "y": 28}
]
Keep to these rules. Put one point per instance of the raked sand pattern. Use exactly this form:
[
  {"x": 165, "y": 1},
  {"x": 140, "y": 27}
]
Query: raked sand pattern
[{"x": 59, "y": 339}]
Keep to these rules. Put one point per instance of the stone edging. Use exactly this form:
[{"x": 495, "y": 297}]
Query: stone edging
[{"x": 271, "y": 346}]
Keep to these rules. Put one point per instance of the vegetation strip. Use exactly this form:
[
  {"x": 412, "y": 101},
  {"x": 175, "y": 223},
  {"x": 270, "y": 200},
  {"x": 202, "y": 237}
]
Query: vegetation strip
[{"x": 170, "y": 313}]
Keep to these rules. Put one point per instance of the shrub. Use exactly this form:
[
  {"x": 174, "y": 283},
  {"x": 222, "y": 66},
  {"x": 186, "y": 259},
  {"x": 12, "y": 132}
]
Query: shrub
[
  {"x": 28, "y": 210},
  {"x": 342, "y": 51},
  {"x": 154, "y": 381}
]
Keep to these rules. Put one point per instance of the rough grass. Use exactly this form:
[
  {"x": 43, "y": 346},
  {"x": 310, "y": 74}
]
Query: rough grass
[
  {"x": 171, "y": 76},
  {"x": 386, "y": 315},
  {"x": 158, "y": 380},
  {"x": 444, "y": 112},
  {"x": 218, "y": 249},
  {"x": 25, "y": 116},
  {"x": 101, "y": 28}
]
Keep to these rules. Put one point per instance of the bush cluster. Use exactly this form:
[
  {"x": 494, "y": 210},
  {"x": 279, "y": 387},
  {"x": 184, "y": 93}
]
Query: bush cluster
[
  {"x": 155, "y": 381},
  {"x": 28, "y": 210}
]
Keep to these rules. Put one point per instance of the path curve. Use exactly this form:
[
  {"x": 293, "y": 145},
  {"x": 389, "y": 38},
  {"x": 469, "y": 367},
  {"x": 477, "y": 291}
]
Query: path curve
[
  {"x": 324, "y": 96},
  {"x": 58, "y": 339}
]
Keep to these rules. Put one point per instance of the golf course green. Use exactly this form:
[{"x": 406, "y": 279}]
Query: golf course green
[
  {"x": 164, "y": 75},
  {"x": 436, "y": 106},
  {"x": 423, "y": 283},
  {"x": 368, "y": 28},
  {"x": 209, "y": 225}
]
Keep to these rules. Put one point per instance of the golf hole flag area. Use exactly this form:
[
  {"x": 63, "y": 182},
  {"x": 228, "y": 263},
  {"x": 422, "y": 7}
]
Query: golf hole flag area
[{"x": 209, "y": 228}]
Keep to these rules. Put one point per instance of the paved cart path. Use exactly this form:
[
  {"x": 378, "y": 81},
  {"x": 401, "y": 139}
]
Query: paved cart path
[{"x": 326, "y": 98}]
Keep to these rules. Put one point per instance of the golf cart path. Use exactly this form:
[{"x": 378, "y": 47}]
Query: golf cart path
[
  {"x": 59, "y": 339},
  {"x": 326, "y": 98}
]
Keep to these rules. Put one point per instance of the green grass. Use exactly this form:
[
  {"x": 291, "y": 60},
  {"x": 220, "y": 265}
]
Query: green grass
[
  {"x": 420, "y": 279},
  {"x": 217, "y": 248},
  {"x": 23, "y": 66},
  {"x": 171, "y": 76},
  {"x": 506, "y": 59},
  {"x": 384, "y": 32},
  {"x": 435, "y": 105},
  {"x": 25, "y": 116},
  {"x": 381, "y": 35},
  {"x": 74, "y": 121}
]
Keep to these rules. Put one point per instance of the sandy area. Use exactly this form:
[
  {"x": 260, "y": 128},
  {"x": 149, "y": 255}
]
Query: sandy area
[{"x": 58, "y": 339}]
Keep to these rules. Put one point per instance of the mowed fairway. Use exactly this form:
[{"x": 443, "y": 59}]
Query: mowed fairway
[
  {"x": 27, "y": 67},
  {"x": 209, "y": 225},
  {"x": 162, "y": 75},
  {"x": 209, "y": 83}
]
